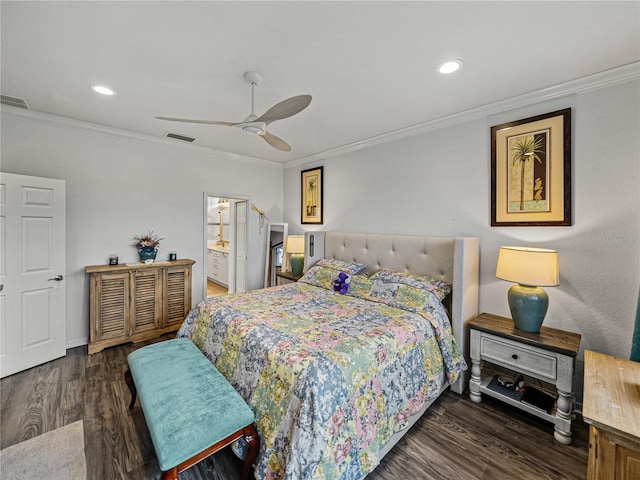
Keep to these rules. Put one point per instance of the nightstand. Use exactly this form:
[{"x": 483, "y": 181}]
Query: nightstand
[
  {"x": 285, "y": 277},
  {"x": 548, "y": 356}
]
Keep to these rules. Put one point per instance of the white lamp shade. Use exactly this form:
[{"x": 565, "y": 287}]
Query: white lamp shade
[
  {"x": 528, "y": 266},
  {"x": 295, "y": 244}
]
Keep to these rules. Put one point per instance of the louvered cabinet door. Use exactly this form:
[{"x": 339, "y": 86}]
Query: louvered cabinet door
[
  {"x": 146, "y": 300},
  {"x": 109, "y": 306},
  {"x": 177, "y": 296}
]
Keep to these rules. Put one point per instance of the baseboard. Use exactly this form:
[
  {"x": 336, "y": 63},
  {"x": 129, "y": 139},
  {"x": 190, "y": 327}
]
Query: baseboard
[
  {"x": 77, "y": 343},
  {"x": 577, "y": 408}
]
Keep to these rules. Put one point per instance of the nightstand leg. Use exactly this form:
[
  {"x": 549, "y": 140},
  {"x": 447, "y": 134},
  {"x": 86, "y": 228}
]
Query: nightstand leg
[
  {"x": 564, "y": 406},
  {"x": 474, "y": 383}
]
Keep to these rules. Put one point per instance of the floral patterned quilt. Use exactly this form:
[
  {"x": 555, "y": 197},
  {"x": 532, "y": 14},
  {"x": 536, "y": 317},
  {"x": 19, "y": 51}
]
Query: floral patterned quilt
[{"x": 329, "y": 376}]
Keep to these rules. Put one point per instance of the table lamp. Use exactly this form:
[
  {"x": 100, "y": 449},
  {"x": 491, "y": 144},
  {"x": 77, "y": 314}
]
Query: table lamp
[
  {"x": 530, "y": 269},
  {"x": 295, "y": 247}
]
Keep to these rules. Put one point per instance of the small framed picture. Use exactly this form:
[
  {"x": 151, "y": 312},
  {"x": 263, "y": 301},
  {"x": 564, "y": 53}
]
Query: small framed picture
[
  {"x": 311, "y": 198},
  {"x": 531, "y": 171}
]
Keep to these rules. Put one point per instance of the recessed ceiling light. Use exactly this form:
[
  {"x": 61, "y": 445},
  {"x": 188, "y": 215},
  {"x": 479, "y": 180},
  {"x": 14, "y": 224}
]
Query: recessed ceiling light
[
  {"x": 450, "y": 66},
  {"x": 102, "y": 90}
]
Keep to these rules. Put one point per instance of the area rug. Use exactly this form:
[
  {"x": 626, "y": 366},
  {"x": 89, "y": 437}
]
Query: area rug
[{"x": 53, "y": 455}]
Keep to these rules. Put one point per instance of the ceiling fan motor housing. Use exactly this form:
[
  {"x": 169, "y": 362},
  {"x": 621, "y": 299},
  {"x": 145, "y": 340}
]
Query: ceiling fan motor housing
[{"x": 257, "y": 128}]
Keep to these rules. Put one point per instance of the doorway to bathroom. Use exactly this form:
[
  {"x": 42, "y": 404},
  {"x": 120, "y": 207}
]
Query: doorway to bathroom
[{"x": 225, "y": 244}]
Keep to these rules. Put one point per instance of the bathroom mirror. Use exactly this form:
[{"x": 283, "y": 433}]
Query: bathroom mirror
[{"x": 218, "y": 220}]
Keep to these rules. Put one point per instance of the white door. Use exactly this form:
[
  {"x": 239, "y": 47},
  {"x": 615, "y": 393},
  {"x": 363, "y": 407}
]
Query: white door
[
  {"x": 230, "y": 278},
  {"x": 32, "y": 271},
  {"x": 241, "y": 247}
]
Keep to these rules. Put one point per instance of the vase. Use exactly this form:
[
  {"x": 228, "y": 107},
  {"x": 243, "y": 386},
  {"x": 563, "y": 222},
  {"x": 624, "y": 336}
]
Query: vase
[{"x": 147, "y": 253}]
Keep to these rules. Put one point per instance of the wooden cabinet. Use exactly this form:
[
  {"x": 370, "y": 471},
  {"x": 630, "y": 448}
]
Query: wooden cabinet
[
  {"x": 210, "y": 264},
  {"x": 612, "y": 408},
  {"x": 548, "y": 356},
  {"x": 135, "y": 302},
  {"x": 218, "y": 267}
]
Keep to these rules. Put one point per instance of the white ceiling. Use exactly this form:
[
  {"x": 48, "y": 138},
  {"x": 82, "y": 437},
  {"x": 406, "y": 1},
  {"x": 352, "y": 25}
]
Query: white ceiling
[{"x": 370, "y": 66}]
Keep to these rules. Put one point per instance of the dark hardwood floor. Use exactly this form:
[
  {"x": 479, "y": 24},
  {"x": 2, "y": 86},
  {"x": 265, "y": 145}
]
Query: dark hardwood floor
[{"x": 456, "y": 439}]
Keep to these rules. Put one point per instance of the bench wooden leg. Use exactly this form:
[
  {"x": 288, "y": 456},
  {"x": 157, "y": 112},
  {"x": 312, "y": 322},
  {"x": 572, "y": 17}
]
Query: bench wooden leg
[
  {"x": 132, "y": 388},
  {"x": 251, "y": 437},
  {"x": 170, "y": 474}
]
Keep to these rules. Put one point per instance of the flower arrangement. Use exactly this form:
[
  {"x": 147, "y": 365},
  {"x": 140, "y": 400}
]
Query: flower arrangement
[{"x": 148, "y": 240}]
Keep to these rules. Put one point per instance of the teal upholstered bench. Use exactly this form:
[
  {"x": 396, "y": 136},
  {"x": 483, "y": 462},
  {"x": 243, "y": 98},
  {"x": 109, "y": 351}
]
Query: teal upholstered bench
[{"x": 190, "y": 408}]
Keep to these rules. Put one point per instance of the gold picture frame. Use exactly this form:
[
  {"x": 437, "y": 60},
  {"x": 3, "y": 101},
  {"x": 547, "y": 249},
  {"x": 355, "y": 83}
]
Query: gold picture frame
[
  {"x": 311, "y": 196},
  {"x": 531, "y": 171}
]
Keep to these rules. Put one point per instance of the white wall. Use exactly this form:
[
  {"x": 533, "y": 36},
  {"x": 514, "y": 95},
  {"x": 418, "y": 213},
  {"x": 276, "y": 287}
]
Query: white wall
[
  {"x": 433, "y": 183},
  {"x": 119, "y": 185},
  {"x": 439, "y": 183}
]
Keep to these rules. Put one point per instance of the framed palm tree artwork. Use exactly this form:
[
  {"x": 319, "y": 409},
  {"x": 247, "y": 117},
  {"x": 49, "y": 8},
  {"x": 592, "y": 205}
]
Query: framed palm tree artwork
[
  {"x": 531, "y": 171},
  {"x": 311, "y": 204}
]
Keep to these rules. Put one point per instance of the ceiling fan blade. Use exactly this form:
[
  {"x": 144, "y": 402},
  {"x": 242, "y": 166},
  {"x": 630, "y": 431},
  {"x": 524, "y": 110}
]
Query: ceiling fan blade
[
  {"x": 189, "y": 120},
  {"x": 276, "y": 142},
  {"x": 285, "y": 109}
]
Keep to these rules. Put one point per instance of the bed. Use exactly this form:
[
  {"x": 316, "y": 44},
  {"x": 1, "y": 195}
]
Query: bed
[{"x": 339, "y": 365}]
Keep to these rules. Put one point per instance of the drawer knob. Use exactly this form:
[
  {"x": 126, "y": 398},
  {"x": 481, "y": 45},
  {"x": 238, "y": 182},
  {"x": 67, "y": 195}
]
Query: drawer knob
[{"x": 514, "y": 356}]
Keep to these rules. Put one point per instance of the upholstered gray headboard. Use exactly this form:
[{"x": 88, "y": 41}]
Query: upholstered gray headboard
[{"x": 453, "y": 259}]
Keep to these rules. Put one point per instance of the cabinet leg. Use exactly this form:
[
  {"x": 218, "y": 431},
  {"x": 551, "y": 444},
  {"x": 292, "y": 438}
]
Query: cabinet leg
[
  {"x": 562, "y": 437},
  {"x": 564, "y": 407},
  {"x": 474, "y": 383}
]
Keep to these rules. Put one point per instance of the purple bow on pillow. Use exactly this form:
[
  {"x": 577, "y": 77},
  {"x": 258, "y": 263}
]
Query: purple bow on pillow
[{"x": 341, "y": 284}]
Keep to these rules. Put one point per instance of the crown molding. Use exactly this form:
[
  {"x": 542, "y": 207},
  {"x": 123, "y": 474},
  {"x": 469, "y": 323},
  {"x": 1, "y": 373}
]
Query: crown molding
[
  {"x": 94, "y": 128},
  {"x": 596, "y": 81}
]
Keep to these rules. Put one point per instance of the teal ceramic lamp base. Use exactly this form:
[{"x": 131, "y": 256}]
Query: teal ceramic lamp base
[
  {"x": 528, "y": 307},
  {"x": 297, "y": 263}
]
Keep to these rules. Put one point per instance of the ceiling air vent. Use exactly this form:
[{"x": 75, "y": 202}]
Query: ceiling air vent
[
  {"x": 13, "y": 101},
  {"x": 180, "y": 137}
]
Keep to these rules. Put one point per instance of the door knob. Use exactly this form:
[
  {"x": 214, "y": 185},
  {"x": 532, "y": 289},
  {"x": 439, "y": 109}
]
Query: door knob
[{"x": 57, "y": 278}]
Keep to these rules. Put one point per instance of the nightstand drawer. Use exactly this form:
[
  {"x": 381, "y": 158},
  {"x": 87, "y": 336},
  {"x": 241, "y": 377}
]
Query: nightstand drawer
[{"x": 519, "y": 357}]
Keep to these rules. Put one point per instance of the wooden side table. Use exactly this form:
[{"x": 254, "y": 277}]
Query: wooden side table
[
  {"x": 548, "y": 355},
  {"x": 612, "y": 409},
  {"x": 285, "y": 277}
]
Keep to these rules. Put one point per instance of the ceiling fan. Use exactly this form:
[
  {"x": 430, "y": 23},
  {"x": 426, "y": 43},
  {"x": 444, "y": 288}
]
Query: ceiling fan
[{"x": 258, "y": 125}]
